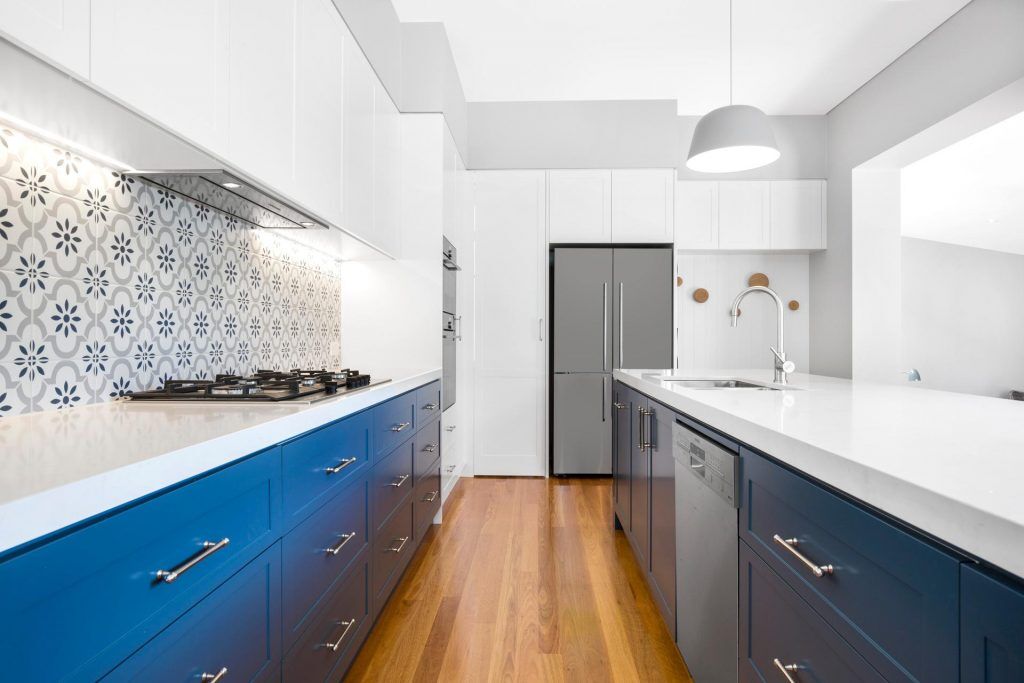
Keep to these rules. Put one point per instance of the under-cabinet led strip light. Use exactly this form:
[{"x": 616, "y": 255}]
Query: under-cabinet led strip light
[{"x": 61, "y": 141}]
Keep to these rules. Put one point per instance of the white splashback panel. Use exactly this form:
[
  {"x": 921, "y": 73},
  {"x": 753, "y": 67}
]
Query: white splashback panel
[{"x": 704, "y": 339}]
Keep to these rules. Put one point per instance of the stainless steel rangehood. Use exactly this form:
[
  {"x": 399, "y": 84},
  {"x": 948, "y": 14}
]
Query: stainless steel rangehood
[{"x": 245, "y": 200}]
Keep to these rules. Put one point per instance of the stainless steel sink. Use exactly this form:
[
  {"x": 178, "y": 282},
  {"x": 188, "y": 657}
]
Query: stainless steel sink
[{"x": 719, "y": 384}]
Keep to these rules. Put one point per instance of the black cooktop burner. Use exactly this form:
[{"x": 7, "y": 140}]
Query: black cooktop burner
[{"x": 262, "y": 385}]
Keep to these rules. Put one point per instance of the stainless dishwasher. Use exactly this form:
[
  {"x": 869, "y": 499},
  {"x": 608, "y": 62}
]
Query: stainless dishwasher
[{"x": 707, "y": 580}]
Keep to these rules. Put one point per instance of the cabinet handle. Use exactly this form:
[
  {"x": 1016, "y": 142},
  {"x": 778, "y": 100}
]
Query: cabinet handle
[
  {"x": 622, "y": 310},
  {"x": 340, "y": 466},
  {"x": 604, "y": 325},
  {"x": 651, "y": 431},
  {"x": 401, "y": 426},
  {"x": 398, "y": 482},
  {"x": 540, "y": 329},
  {"x": 450, "y": 428},
  {"x": 430, "y": 406},
  {"x": 214, "y": 678},
  {"x": 458, "y": 328},
  {"x": 604, "y": 381},
  {"x": 430, "y": 447},
  {"x": 640, "y": 419},
  {"x": 209, "y": 548},
  {"x": 619, "y": 406},
  {"x": 430, "y": 497},
  {"x": 393, "y": 549},
  {"x": 333, "y": 647},
  {"x": 790, "y": 545},
  {"x": 450, "y": 468},
  {"x": 345, "y": 538},
  {"x": 786, "y": 669}
]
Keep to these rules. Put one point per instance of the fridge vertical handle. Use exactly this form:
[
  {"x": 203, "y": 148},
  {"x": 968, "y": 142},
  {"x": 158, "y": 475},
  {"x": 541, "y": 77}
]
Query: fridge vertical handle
[
  {"x": 604, "y": 325},
  {"x": 622, "y": 293},
  {"x": 604, "y": 406},
  {"x": 540, "y": 329}
]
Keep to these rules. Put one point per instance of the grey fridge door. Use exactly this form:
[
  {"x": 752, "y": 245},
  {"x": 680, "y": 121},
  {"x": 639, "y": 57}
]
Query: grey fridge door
[
  {"x": 582, "y": 313},
  {"x": 582, "y": 423},
  {"x": 642, "y": 315}
]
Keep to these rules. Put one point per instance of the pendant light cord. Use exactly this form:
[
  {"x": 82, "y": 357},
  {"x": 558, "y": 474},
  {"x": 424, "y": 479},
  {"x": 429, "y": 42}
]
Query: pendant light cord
[{"x": 730, "y": 53}]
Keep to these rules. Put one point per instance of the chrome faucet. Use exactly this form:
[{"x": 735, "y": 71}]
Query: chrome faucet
[{"x": 782, "y": 366}]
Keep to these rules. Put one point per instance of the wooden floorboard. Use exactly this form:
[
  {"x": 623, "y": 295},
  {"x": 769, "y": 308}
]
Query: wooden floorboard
[{"x": 525, "y": 581}]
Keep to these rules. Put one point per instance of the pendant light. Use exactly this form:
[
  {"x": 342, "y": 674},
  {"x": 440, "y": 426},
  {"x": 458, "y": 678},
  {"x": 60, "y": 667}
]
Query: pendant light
[{"x": 733, "y": 138}]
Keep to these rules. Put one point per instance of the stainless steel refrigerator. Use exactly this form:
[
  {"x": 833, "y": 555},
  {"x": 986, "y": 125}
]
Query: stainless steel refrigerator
[{"x": 612, "y": 308}]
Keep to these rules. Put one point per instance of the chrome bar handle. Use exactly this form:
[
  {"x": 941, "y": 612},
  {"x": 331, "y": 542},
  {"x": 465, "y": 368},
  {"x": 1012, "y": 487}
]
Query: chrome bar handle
[
  {"x": 340, "y": 466},
  {"x": 450, "y": 428},
  {"x": 640, "y": 419},
  {"x": 604, "y": 325},
  {"x": 430, "y": 448},
  {"x": 393, "y": 549},
  {"x": 333, "y": 647},
  {"x": 430, "y": 497},
  {"x": 618, "y": 406},
  {"x": 345, "y": 538},
  {"x": 430, "y": 406},
  {"x": 604, "y": 381},
  {"x": 214, "y": 678},
  {"x": 651, "y": 431},
  {"x": 540, "y": 329},
  {"x": 401, "y": 426},
  {"x": 786, "y": 669},
  {"x": 622, "y": 322},
  {"x": 458, "y": 328},
  {"x": 398, "y": 482},
  {"x": 790, "y": 545},
  {"x": 209, "y": 548}
]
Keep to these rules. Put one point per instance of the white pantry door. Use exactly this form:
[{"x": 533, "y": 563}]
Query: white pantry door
[{"x": 510, "y": 269}]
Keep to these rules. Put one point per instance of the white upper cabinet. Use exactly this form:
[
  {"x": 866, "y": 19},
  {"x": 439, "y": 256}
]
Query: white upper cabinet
[
  {"x": 449, "y": 166},
  {"x": 642, "y": 205},
  {"x": 798, "y": 214},
  {"x": 319, "y": 72},
  {"x": 357, "y": 167},
  {"x": 168, "y": 60},
  {"x": 743, "y": 214},
  {"x": 580, "y": 206},
  {"x": 261, "y": 89},
  {"x": 387, "y": 171},
  {"x": 696, "y": 224},
  {"x": 56, "y": 30}
]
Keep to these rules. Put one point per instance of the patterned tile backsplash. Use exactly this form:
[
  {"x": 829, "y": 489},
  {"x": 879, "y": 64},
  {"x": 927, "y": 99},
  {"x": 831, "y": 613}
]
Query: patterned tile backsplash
[{"x": 109, "y": 284}]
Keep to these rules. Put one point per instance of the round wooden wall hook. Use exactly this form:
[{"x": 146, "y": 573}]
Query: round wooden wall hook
[
  {"x": 679, "y": 280},
  {"x": 758, "y": 280},
  {"x": 794, "y": 305},
  {"x": 700, "y": 295}
]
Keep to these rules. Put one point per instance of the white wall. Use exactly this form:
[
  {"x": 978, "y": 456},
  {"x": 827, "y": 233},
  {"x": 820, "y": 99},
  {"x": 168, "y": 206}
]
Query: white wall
[
  {"x": 962, "y": 322},
  {"x": 706, "y": 341},
  {"x": 976, "y": 52}
]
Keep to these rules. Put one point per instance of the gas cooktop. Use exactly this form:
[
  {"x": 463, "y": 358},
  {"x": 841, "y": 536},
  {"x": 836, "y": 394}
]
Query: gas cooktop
[{"x": 268, "y": 386}]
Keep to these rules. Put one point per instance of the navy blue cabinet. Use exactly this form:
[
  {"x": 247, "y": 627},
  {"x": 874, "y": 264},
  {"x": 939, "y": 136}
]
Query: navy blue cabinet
[
  {"x": 236, "y": 629},
  {"x": 992, "y": 628},
  {"x": 663, "y": 511}
]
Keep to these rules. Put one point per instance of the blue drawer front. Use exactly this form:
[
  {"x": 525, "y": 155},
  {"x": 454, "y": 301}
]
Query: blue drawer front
[
  {"x": 891, "y": 594},
  {"x": 776, "y": 623},
  {"x": 428, "y": 403},
  {"x": 427, "y": 501},
  {"x": 79, "y": 605},
  {"x": 392, "y": 547},
  {"x": 426, "y": 448},
  {"x": 390, "y": 482},
  {"x": 343, "y": 526},
  {"x": 319, "y": 463},
  {"x": 236, "y": 627},
  {"x": 992, "y": 631},
  {"x": 393, "y": 423},
  {"x": 346, "y": 618}
]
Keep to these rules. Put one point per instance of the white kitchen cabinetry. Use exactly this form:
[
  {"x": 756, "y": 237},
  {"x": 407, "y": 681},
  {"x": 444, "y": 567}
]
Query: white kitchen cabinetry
[
  {"x": 696, "y": 224},
  {"x": 56, "y": 30},
  {"x": 319, "y": 73},
  {"x": 510, "y": 324},
  {"x": 580, "y": 206},
  {"x": 798, "y": 214},
  {"x": 357, "y": 166},
  {"x": 261, "y": 89},
  {"x": 642, "y": 202},
  {"x": 168, "y": 61},
  {"x": 743, "y": 214},
  {"x": 387, "y": 171}
]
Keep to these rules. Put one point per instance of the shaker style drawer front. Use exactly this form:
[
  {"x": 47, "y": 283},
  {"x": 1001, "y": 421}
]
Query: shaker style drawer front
[
  {"x": 893, "y": 596},
  {"x": 393, "y": 423},
  {"x": 78, "y": 605},
  {"x": 428, "y": 403},
  {"x": 426, "y": 448},
  {"x": 427, "y": 500},
  {"x": 992, "y": 628},
  {"x": 319, "y": 551},
  {"x": 234, "y": 632},
  {"x": 319, "y": 463},
  {"x": 390, "y": 482},
  {"x": 782, "y": 639},
  {"x": 328, "y": 646},
  {"x": 392, "y": 546}
]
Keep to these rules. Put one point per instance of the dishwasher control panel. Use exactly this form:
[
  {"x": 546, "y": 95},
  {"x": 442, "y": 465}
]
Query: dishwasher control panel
[{"x": 706, "y": 460}]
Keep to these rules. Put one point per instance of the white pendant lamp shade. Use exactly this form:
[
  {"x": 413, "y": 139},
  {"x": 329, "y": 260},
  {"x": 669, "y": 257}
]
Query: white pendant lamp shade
[{"x": 734, "y": 138}]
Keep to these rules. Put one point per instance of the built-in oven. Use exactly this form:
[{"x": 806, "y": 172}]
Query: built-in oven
[{"x": 449, "y": 259}]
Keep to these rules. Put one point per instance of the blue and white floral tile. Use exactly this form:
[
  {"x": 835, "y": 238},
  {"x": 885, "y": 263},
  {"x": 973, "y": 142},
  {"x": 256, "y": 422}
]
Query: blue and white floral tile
[
  {"x": 28, "y": 367},
  {"x": 144, "y": 288},
  {"x": 230, "y": 326},
  {"x": 69, "y": 238},
  {"x": 17, "y": 233},
  {"x": 230, "y": 274},
  {"x": 122, "y": 191},
  {"x": 118, "y": 382},
  {"x": 15, "y": 393},
  {"x": 119, "y": 248},
  {"x": 66, "y": 388},
  {"x": 165, "y": 323},
  {"x": 199, "y": 325},
  {"x": 121, "y": 320},
  {"x": 65, "y": 317},
  {"x": 169, "y": 260},
  {"x": 201, "y": 268},
  {"x": 19, "y": 309}
]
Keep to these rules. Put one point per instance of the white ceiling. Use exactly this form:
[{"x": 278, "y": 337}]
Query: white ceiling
[
  {"x": 970, "y": 193},
  {"x": 791, "y": 56}
]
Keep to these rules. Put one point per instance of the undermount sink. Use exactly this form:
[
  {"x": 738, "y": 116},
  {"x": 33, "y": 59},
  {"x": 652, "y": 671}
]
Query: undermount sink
[{"x": 719, "y": 384}]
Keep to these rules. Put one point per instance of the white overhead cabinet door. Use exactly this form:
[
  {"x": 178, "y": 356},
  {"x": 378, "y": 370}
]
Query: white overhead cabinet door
[
  {"x": 580, "y": 207},
  {"x": 798, "y": 214},
  {"x": 696, "y": 224},
  {"x": 510, "y": 265},
  {"x": 57, "y": 30},
  {"x": 357, "y": 167},
  {"x": 387, "y": 171},
  {"x": 642, "y": 205},
  {"x": 743, "y": 214},
  {"x": 168, "y": 60}
]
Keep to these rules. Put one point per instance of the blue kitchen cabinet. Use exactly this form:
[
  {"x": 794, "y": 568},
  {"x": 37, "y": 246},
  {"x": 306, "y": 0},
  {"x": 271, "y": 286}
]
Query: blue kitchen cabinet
[
  {"x": 622, "y": 408},
  {"x": 393, "y": 422},
  {"x": 991, "y": 628},
  {"x": 663, "y": 511},
  {"x": 235, "y": 630}
]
